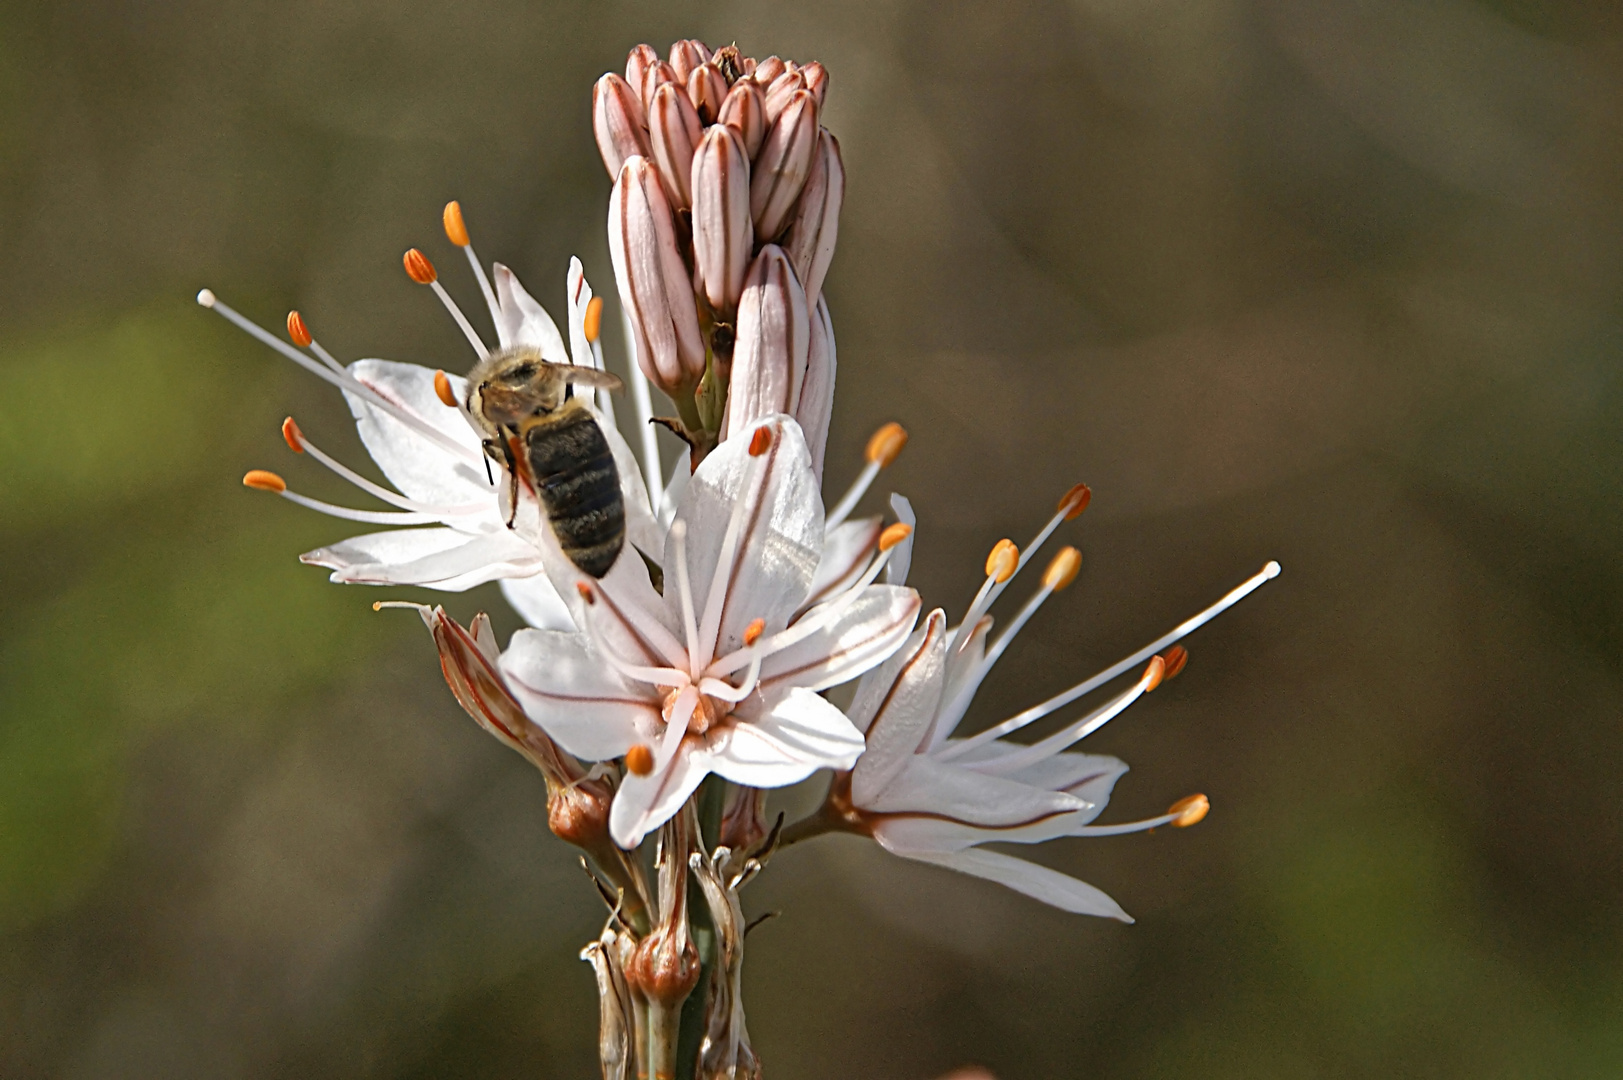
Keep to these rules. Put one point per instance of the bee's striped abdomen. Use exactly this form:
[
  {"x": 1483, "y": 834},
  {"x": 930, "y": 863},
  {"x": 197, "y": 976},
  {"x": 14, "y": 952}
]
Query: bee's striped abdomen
[{"x": 575, "y": 478}]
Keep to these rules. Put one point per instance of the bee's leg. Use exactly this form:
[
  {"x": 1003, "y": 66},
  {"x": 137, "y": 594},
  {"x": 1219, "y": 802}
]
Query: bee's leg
[{"x": 512, "y": 484}]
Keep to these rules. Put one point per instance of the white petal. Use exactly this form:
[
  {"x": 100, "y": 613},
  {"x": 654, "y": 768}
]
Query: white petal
[
  {"x": 781, "y": 541},
  {"x": 578, "y": 294},
  {"x": 784, "y": 742},
  {"x": 896, "y": 701},
  {"x": 417, "y": 466},
  {"x": 1037, "y": 882},
  {"x": 537, "y": 602},
  {"x": 626, "y": 616},
  {"x": 644, "y": 803},
  {"x": 923, "y": 786},
  {"x": 434, "y": 558},
  {"x": 962, "y": 663},
  {"x": 874, "y": 626},
  {"x": 525, "y": 322},
  {"x": 901, "y": 556},
  {"x": 575, "y": 697},
  {"x": 848, "y": 548},
  {"x": 1091, "y": 777}
]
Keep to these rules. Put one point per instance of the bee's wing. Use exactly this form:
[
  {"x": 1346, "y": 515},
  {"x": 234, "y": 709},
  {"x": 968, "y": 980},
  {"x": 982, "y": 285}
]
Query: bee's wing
[{"x": 586, "y": 376}]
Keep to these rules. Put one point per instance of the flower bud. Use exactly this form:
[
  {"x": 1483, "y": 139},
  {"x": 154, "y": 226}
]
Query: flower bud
[
  {"x": 638, "y": 61},
  {"x": 673, "y": 132},
  {"x": 707, "y": 89},
  {"x": 769, "y": 355},
  {"x": 657, "y": 75},
  {"x": 782, "y": 166},
  {"x": 816, "y": 222},
  {"x": 686, "y": 56},
  {"x": 816, "y": 406},
  {"x": 816, "y": 76},
  {"x": 744, "y": 110},
  {"x": 723, "y": 234},
  {"x": 579, "y": 813},
  {"x": 767, "y": 70},
  {"x": 618, "y": 123},
  {"x": 653, "y": 281},
  {"x": 779, "y": 93}
]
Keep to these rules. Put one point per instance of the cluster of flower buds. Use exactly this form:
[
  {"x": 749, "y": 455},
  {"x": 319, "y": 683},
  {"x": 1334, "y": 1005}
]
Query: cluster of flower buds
[{"x": 722, "y": 225}]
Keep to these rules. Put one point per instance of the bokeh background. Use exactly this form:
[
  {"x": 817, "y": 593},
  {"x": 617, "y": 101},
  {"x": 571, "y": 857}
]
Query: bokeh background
[{"x": 1337, "y": 283}]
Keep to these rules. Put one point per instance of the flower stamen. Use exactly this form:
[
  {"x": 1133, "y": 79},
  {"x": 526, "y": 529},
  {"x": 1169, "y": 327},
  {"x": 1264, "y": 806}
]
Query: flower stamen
[
  {"x": 456, "y": 231},
  {"x": 336, "y": 374},
  {"x": 420, "y": 270},
  {"x": 884, "y": 446},
  {"x": 301, "y": 444}
]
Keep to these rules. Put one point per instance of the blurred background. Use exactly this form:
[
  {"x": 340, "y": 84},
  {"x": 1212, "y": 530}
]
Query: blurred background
[{"x": 1338, "y": 283}]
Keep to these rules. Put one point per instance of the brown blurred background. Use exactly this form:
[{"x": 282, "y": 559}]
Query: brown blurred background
[{"x": 1335, "y": 283}]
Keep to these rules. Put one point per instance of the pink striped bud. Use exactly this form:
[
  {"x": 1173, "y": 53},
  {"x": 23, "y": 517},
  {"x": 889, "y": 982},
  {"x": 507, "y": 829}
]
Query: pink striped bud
[
  {"x": 816, "y": 406},
  {"x": 723, "y": 234},
  {"x": 816, "y": 222},
  {"x": 769, "y": 355},
  {"x": 707, "y": 89},
  {"x": 779, "y": 93},
  {"x": 658, "y": 74},
  {"x": 687, "y": 55},
  {"x": 816, "y": 76},
  {"x": 673, "y": 132},
  {"x": 654, "y": 287},
  {"x": 617, "y": 121},
  {"x": 638, "y": 61},
  {"x": 749, "y": 66},
  {"x": 767, "y": 70},
  {"x": 783, "y": 164},
  {"x": 744, "y": 110}
]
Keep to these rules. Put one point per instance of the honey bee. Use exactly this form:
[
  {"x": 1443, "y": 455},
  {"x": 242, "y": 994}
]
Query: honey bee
[{"x": 534, "y": 425}]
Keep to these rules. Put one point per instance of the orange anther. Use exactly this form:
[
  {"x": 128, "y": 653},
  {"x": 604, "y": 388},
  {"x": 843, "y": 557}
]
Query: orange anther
[
  {"x": 753, "y": 632},
  {"x": 592, "y": 324},
  {"x": 760, "y": 441},
  {"x": 1189, "y": 810},
  {"x": 1062, "y": 570},
  {"x": 293, "y": 436},
  {"x": 894, "y": 534},
  {"x": 886, "y": 444},
  {"x": 264, "y": 481},
  {"x": 297, "y": 330},
  {"x": 586, "y": 592},
  {"x": 1175, "y": 657},
  {"x": 1075, "y": 501},
  {"x": 640, "y": 760},
  {"x": 442, "y": 389},
  {"x": 1003, "y": 561},
  {"x": 455, "y": 230},
  {"x": 418, "y": 268},
  {"x": 1154, "y": 672}
]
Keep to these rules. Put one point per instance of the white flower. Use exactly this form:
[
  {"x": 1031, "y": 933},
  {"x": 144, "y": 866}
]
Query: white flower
[
  {"x": 926, "y": 795},
  {"x": 450, "y": 529},
  {"x": 721, "y": 672}
]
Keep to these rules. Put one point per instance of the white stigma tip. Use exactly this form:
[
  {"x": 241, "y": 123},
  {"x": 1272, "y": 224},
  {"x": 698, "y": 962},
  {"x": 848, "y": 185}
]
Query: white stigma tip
[
  {"x": 206, "y": 297},
  {"x": 1271, "y": 570}
]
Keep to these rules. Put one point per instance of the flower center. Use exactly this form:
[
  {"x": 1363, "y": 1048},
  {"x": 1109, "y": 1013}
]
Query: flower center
[{"x": 706, "y": 714}]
